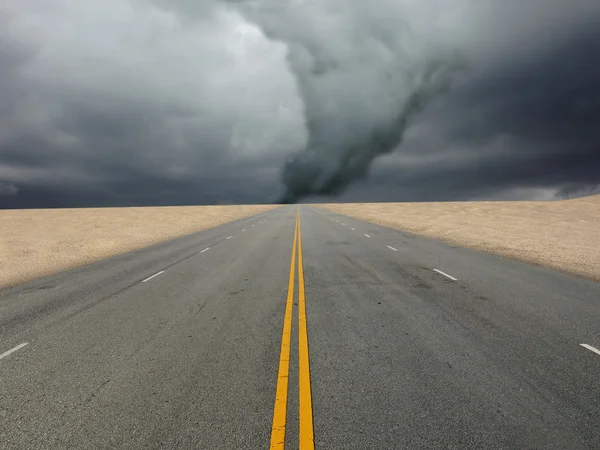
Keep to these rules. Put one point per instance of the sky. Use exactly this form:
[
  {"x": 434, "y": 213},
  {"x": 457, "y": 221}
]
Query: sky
[{"x": 175, "y": 102}]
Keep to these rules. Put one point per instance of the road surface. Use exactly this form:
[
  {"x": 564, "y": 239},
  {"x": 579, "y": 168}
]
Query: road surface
[{"x": 389, "y": 341}]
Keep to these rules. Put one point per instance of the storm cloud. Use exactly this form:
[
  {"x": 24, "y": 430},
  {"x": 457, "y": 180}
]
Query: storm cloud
[{"x": 154, "y": 102}]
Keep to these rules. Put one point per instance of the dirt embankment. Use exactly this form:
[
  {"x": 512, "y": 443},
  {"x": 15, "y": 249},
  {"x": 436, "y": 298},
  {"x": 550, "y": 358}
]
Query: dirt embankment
[
  {"x": 38, "y": 242},
  {"x": 563, "y": 235}
]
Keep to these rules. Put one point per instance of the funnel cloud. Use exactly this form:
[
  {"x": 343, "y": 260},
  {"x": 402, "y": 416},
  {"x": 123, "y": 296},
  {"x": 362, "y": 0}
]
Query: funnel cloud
[
  {"x": 360, "y": 85},
  {"x": 329, "y": 164}
]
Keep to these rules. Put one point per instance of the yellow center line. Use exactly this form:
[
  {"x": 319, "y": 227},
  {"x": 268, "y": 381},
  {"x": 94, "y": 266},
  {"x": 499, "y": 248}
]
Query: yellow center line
[
  {"x": 305, "y": 396},
  {"x": 306, "y": 433},
  {"x": 280, "y": 409}
]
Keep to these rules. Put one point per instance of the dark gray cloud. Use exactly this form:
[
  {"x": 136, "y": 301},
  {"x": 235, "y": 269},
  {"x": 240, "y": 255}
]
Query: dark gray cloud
[
  {"x": 520, "y": 131},
  {"x": 125, "y": 103},
  {"x": 184, "y": 102},
  {"x": 8, "y": 189}
]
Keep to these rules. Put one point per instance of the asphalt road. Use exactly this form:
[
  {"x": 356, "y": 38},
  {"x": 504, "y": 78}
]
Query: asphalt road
[{"x": 395, "y": 341}]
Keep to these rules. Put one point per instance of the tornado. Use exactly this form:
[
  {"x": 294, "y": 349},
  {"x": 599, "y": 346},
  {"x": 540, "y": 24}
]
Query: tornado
[
  {"x": 363, "y": 76},
  {"x": 327, "y": 170}
]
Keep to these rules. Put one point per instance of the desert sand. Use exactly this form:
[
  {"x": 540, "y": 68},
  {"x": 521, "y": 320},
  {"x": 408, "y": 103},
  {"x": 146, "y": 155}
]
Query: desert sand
[
  {"x": 39, "y": 242},
  {"x": 563, "y": 235}
]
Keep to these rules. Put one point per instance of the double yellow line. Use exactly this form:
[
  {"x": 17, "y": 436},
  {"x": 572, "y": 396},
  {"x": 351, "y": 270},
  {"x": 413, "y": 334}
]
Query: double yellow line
[{"x": 306, "y": 434}]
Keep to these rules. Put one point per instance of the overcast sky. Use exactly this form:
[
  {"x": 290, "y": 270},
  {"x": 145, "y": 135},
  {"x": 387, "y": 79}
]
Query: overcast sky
[{"x": 169, "y": 102}]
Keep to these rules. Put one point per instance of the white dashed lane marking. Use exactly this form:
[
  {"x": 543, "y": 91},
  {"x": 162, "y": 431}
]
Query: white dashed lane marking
[
  {"x": 445, "y": 274},
  {"x": 12, "y": 350},
  {"x": 155, "y": 275},
  {"x": 590, "y": 348}
]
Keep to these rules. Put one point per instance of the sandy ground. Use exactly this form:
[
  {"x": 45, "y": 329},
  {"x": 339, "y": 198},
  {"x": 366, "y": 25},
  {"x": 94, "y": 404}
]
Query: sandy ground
[
  {"x": 39, "y": 242},
  {"x": 563, "y": 235}
]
